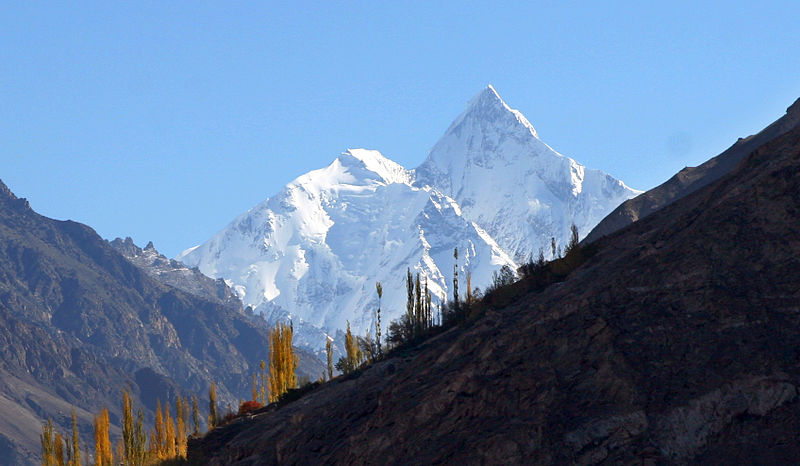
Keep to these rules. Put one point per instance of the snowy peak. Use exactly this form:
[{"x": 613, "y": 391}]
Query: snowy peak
[
  {"x": 489, "y": 107},
  {"x": 373, "y": 165},
  {"x": 506, "y": 179}
]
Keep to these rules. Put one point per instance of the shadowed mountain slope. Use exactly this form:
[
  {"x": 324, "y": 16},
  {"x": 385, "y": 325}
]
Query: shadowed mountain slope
[
  {"x": 677, "y": 342},
  {"x": 690, "y": 179},
  {"x": 78, "y": 322}
]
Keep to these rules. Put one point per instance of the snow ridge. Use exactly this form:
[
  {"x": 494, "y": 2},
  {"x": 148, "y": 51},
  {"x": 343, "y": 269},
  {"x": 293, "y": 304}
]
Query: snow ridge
[{"x": 313, "y": 252}]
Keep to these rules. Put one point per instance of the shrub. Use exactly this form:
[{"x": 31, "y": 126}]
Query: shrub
[{"x": 248, "y": 407}]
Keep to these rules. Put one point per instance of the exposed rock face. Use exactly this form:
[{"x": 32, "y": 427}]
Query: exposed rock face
[
  {"x": 78, "y": 322},
  {"x": 690, "y": 179},
  {"x": 176, "y": 274},
  {"x": 677, "y": 342}
]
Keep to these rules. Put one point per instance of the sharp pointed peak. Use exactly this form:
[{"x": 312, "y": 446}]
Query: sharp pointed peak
[
  {"x": 488, "y": 96},
  {"x": 488, "y": 105}
]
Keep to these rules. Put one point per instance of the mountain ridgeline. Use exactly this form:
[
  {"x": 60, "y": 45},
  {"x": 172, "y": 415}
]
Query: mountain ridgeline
[
  {"x": 490, "y": 187},
  {"x": 79, "y": 322},
  {"x": 675, "y": 342}
]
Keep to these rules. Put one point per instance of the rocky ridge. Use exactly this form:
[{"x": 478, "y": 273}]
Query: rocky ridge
[
  {"x": 690, "y": 179},
  {"x": 78, "y": 322}
]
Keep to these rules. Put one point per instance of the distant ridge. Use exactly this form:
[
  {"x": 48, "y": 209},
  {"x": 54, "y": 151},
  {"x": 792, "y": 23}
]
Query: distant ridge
[{"x": 690, "y": 179}]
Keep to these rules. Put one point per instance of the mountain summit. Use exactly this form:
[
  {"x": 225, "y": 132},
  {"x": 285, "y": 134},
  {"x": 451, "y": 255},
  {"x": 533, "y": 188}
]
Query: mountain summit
[
  {"x": 492, "y": 162},
  {"x": 313, "y": 252}
]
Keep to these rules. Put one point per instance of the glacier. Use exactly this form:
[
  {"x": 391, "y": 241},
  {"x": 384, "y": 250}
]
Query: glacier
[{"x": 490, "y": 187}]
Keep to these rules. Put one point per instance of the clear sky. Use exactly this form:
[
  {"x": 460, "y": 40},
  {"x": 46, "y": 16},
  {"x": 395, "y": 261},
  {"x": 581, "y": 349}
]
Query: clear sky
[{"x": 164, "y": 120}]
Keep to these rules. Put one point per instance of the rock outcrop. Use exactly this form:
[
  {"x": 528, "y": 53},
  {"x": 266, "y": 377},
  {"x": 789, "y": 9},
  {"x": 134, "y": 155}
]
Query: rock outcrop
[{"x": 78, "y": 322}]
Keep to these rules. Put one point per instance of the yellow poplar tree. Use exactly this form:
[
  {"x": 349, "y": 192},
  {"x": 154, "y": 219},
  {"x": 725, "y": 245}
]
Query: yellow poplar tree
[
  {"x": 180, "y": 430},
  {"x": 282, "y": 361},
  {"x": 102, "y": 443},
  {"x": 262, "y": 392},
  {"x": 161, "y": 435},
  {"x": 75, "y": 458},
  {"x": 128, "y": 429},
  {"x": 59, "y": 450},
  {"x": 329, "y": 354},
  {"x": 212, "y": 406},
  {"x": 48, "y": 444},
  {"x": 169, "y": 434},
  {"x": 195, "y": 415}
]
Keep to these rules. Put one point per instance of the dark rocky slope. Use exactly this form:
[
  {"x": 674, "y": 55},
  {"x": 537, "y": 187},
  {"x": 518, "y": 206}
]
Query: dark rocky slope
[
  {"x": 78, "y": 322},
  {"x": 176, "y": 274},
  {"x": 676, "y": 343},
  {"x": 690, "y": 179}
]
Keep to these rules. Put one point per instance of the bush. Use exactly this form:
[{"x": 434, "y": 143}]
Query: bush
[{"x": 248, "y": 407}]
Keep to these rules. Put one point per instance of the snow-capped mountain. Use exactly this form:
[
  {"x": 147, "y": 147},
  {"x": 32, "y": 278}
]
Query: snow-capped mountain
[
  {"x": 315, "y": 251},
  {"x": 520, "y": 190},
  {"x": 490, "y": 187}
]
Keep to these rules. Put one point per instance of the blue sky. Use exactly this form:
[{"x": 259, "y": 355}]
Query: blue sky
[{"x": 164, "y": 120}]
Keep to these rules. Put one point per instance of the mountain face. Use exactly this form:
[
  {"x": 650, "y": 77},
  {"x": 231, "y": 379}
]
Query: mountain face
[
  {"x": 676, "y": 343},
  {"x": 490, "y": 187},
  {"x": 690, "y": 179},
  {"x": 177, "y": 275},
  {"x": 521, "y": 191},
  {"x": 314, "y": 252},
  {"x": 78, "y": 322}
]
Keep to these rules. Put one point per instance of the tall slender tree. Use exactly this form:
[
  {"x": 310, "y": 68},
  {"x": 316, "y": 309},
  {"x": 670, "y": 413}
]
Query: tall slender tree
[
  {"x": 282, "y": 361},
  {"x": 161, "y": 434},
  {"x": 103, "y": 455},
  {"x": 455, "y": 282},
  {"x": 409, "y": 301},
  {"x": 75, "y": 458},
  {"x": 329, "y": 354},
  {"x": 48, "y": 444},
  {"x": 213, "y": 417},
  {"x": 379, "y": 289},
  {"x": 195, "y": 415},
  {"x": 262, "y": 392},
  {"x": 169, "y": 433},
  {"x": 180, "y": 427},
  {"x": 59, "y": 450},
  {"x": 128, "y": 426}
]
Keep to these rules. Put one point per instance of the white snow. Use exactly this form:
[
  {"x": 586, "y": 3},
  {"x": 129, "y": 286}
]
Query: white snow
[{"x": 490, "y": 187}]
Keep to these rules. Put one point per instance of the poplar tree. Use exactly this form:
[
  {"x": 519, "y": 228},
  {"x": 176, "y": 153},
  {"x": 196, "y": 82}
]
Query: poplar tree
[
  {"x": 282, "y": 362},
  {"x": 169, "y": 434},
  {"x": 102, "y": 444},
  {"x": 59, "y": 450},
  {"x": 349, "y": 362},
  {"x": 195, "y": 415},
  {"x": 428, "y": 315},
  {"x": 140, "y": 439},
  {"x": 329, "y": 354},
  {"x": 263, "y": 390},
  {"x": 180, "y": 430},
  {"x": 417, "y": 306},
  {"x": 213, "y": 418},
  {"x": 255, "y": 389},
  {"x": 48, "y": 444},
  {"x": 75, "y": 457},
  {"x": 455, "y": 282},
  {"x": 410, "y": 299},
  {"x": 469, "y": 288},
  {"x": 160, "y": 446},
  {"x": 128, "y": 427},
  {"x": 379, "y": 289}
]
